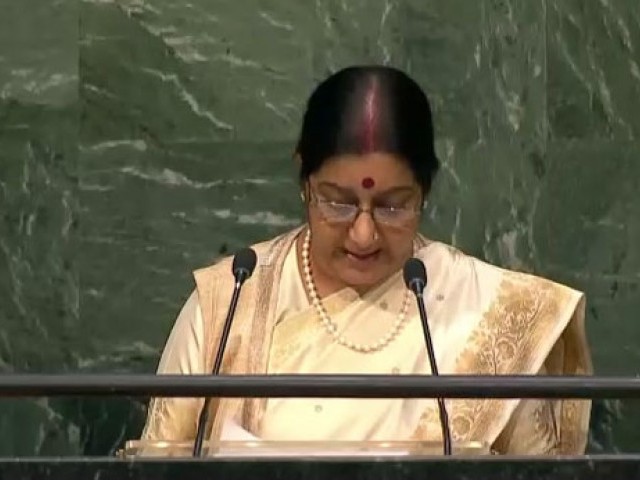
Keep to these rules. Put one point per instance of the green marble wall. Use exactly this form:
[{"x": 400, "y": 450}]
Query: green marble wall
[{"x": 140, "y": 139}]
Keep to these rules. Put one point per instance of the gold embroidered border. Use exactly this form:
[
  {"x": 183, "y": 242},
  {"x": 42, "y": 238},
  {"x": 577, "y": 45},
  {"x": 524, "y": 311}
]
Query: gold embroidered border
[{"x": 510, "y": 338}]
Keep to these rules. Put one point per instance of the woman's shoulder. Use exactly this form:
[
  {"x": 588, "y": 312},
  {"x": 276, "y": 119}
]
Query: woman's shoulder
[
  {"x": 267, "y": 252},
  {"x": 444, "y": 257},
  {"x": 433, "y": 250}
]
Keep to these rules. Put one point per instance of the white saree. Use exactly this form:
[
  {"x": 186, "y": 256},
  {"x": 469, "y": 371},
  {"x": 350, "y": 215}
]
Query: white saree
[{"x": 483, "y": 319}]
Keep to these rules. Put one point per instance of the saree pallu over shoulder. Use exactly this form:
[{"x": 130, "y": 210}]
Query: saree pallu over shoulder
[
  {"x": 531, "y": 325},
  {"x": 247, "y": 350},
  {"x": 247, "y": 347}
]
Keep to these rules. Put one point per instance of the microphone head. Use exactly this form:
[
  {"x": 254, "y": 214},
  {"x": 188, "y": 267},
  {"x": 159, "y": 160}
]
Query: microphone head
[
  {"x": 244, "y": 262},
  {"x": 415, "y": 275}
]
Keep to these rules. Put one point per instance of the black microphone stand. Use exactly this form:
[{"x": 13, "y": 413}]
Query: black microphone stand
[
  {"x": 415, "y": 277},
  {"x": 444, "y": 417},
  {"x": 247, "y": 259},
  {"x": 204, "y": 413}
]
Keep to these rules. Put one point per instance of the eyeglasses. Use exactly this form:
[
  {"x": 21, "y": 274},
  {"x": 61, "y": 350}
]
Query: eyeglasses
[{"x": 343, "y": 213}]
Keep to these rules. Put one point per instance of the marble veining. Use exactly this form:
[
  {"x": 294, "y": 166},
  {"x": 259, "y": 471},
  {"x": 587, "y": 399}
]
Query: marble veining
[{"x": 140, "y": 139}]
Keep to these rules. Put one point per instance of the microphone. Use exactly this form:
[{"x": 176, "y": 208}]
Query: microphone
[
  {"x": 415, "y": 278},
  {"x": 244, "y": 262}
]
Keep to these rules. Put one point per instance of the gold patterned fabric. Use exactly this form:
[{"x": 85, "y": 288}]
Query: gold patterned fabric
[{"x": 484, "y": 320}]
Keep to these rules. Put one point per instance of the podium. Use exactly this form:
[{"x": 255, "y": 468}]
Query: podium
[
  {"x": 258, "y": 460},
  {"x": 349, "y": 467},
  {"x": 296, "y": 449}
]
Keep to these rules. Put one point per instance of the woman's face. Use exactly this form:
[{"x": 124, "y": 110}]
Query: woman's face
[{"x": 364, "y": 211}]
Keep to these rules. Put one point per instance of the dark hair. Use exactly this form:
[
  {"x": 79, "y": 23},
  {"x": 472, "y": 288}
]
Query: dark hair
[{"x": 369, "y": 109}]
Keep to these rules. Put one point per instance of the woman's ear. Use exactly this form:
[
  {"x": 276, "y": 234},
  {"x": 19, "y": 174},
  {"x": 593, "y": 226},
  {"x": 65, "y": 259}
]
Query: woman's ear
[
  {"x": 303, "y": 183},
  {"x": 426, "y": 191},
  {"x": 304, "y": 192}
]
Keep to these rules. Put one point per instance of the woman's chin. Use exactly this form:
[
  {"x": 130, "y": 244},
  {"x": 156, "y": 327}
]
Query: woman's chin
[{"x": 362, "y": 280}]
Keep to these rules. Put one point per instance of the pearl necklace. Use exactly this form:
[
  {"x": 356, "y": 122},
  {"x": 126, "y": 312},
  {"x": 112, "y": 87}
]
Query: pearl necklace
[{"x": 331, "y": 327}]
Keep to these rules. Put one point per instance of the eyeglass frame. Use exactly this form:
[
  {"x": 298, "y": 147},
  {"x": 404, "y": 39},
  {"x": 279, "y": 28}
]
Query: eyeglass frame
[{"x": 317, "y": 199}]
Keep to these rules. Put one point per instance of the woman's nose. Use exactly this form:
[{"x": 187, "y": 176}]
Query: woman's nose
[{"x": 363, "y": 230}]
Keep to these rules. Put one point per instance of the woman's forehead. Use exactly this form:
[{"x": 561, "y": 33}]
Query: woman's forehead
[
  {"x": 366, "y": 171},
  {"x": 343, "y": 188}
]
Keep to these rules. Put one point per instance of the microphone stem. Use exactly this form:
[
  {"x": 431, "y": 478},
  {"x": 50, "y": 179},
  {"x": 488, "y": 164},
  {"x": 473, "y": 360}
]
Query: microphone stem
[
  {"x": 444, "y": 418},
  {"x": 204, "y": 413}
]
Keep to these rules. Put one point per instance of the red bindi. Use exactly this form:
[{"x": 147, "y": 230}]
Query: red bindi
[{"x": 368, "y": 183}]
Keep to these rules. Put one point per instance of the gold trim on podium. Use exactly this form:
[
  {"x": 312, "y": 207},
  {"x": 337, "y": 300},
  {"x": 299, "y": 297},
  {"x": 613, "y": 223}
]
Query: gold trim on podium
[{"x": 263, "y": 448}]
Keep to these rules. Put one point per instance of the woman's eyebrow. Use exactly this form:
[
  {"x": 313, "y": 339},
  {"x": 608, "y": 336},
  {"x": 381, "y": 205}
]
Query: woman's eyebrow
[
  {"x": 396, "y": 190},
  {"x": 336, "y": 187},
  {"x": 350, "y": 191}
]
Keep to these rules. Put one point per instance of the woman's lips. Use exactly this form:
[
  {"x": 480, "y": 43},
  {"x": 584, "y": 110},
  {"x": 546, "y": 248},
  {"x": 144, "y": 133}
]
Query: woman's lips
[{"x": 362, "y": 259}]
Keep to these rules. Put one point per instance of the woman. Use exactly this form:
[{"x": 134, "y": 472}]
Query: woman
[{"x": 329, "y": 297}]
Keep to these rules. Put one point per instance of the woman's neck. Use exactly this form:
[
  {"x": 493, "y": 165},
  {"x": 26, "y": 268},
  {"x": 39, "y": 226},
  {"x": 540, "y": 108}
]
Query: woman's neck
[{"x": 325, "y": 284}]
